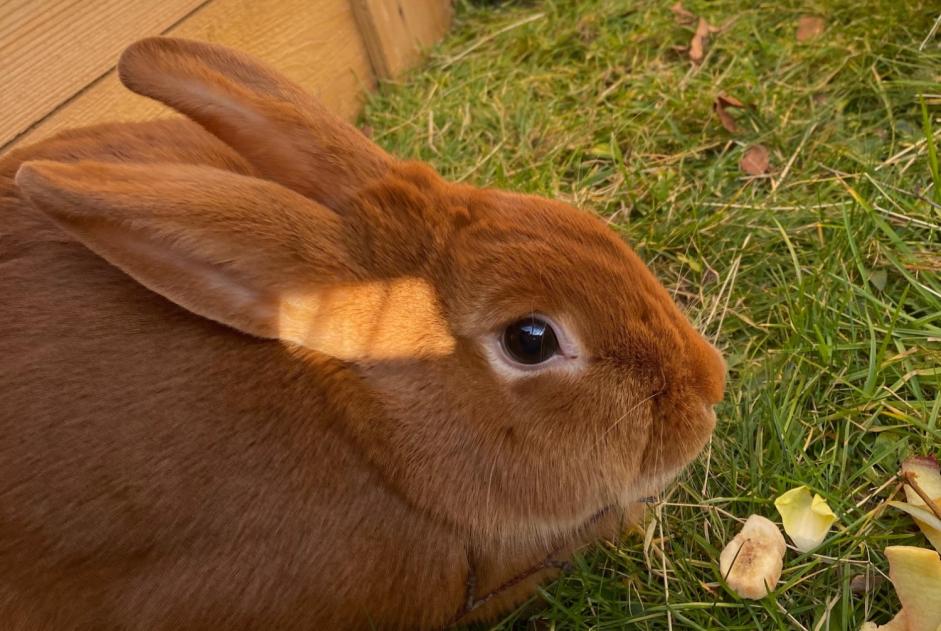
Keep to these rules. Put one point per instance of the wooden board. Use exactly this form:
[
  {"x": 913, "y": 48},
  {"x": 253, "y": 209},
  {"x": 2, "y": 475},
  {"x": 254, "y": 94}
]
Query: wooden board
[
  {"x": 313, "y": 42},
  {"x": 397, "y": 32},
  {"x": 49, "y": 50}
]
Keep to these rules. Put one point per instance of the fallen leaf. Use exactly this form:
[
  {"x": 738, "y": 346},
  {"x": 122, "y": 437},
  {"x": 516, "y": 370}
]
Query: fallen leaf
[
  {"x": 865, "y": 583},
  {"x": 752, "y": 561},
  {"x": 602, "y": 150},
  {"x": 878, "y": 278},
  {"x": 721, "y": 106},
  {"x": 808, "y": 28},
  {"x": 807, "y": 520},
  {"x": 728, "y": 101},
  {"x": 755, "y": 162},
  {"x": 697, "y": 46},
  {"x": 681, "y": 14}
]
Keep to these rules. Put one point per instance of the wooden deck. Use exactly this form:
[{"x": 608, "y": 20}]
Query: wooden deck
[{"x": 57, "y": 57}]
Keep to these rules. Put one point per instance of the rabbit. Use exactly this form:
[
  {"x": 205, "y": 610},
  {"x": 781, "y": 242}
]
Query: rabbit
[{"x": 259, "y": 374}]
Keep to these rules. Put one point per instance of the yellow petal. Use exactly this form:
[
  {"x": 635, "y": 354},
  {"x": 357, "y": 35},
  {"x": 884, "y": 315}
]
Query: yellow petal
[
  {"x": 926, "y": 520},
  {"x": 916, "y": 574},
  {"x": 752, "y": 562},
  {"x": 806, "y": 519},
  {"x": 927, "y": 474}
]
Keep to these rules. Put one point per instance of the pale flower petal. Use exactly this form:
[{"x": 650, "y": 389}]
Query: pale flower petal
[
  {"x": 806, "y": 519},
  {"x": 926, "y": 474},
  {"x": 916, "y": 574},
  {"x": 926, "y": 520},
  {"x": 752, "y": 562}
]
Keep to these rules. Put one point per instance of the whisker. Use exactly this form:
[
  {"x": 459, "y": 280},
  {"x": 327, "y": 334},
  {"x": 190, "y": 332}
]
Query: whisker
[{"x": 623, "y": 416}]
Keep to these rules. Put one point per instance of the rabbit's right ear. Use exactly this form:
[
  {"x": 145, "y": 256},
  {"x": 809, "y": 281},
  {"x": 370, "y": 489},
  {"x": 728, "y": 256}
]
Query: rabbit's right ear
[{"x": 286, "y": 134}]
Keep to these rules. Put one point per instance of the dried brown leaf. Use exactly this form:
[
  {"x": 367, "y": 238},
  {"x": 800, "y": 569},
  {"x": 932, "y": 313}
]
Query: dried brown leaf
[
  {"x": 697, "y": 46},
  {"x": 721, "y": 105},
  {"x": 865, "y": 583},
  {"x": 682, "y": 15},
  {"x": 728, "y": 101},
  {"x": 809, "y": 27},
  {"x": 755, "y": 160}
]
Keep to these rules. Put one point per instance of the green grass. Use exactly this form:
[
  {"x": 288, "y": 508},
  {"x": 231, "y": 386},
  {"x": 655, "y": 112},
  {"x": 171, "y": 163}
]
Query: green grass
[{"x": 820, "y": 282}]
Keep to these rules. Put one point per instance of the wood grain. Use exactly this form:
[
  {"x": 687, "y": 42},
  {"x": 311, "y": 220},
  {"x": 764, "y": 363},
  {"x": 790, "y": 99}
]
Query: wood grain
[
  {"x": 315, "y": 43},
  {"x": 51, "y": 49},
  {"x": 397, "y": 32}
]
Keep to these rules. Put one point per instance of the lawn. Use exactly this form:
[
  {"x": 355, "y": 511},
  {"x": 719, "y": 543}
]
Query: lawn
[{"x": 819, "y": 279}]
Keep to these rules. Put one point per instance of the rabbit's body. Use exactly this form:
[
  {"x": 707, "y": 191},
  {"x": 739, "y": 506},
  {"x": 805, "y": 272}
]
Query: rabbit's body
[
  {"x": 283, "y": 493},
  {"x": 254, "y": 384}
]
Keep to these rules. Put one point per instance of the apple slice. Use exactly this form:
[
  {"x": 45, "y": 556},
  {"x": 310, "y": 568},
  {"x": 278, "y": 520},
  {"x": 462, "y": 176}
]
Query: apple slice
[{"x": 752, "y": 561}]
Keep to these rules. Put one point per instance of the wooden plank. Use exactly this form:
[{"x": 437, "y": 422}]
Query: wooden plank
[
  {"x": 397, "y": 32},
  {"x": 317, "y": 44},
  {"x": 51, "y": 49}
]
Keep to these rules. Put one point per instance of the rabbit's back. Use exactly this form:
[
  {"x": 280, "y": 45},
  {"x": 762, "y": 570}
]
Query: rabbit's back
[{"x": 78, "y": 327}]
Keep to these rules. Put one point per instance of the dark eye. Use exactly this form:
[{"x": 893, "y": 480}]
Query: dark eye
[{"x": 530, "y": 341}]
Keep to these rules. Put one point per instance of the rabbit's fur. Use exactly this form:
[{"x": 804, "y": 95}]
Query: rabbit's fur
[{"x": 248, "y": 378}]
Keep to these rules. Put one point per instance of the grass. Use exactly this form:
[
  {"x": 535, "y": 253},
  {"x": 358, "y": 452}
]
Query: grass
[{"x": 820, "y": 281}]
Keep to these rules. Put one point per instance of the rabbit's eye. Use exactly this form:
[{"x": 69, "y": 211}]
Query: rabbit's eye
[{"x": 530, "y": 341}]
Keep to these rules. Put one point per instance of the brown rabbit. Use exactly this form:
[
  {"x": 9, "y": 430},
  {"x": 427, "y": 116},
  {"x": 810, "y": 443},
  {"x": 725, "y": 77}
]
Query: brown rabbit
[{"x": 269, "y": 377}]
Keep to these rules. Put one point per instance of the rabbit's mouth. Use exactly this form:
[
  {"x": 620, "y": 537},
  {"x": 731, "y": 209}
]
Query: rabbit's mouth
[{"x": 671, "y": 449}]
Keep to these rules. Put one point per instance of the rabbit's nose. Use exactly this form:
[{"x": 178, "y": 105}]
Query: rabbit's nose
[{"x": 709, "y": 372}]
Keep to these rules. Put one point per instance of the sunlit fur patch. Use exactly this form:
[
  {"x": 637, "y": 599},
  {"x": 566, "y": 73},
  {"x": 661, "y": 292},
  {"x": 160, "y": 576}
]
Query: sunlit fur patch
[{"x": 375, "y": 320}]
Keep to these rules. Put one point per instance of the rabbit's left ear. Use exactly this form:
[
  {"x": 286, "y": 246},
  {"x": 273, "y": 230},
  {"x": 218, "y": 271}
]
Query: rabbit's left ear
[
  {"x": 241, "y": 251},
  {"x": 285, "y": 133}
]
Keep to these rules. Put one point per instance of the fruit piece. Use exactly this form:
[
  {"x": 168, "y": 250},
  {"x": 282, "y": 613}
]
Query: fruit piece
[
  {"x": 752, "y": 562},
  {"x": 806, "y": 519}
]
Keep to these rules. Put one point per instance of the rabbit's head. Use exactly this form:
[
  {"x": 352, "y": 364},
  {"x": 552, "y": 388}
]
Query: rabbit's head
[{"x": 506, "y": 362}]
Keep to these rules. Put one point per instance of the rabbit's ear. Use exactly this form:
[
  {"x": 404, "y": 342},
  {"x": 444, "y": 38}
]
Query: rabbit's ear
[
  {"x": 238, "y": 250},
  {"x": 284, "y": 132}
]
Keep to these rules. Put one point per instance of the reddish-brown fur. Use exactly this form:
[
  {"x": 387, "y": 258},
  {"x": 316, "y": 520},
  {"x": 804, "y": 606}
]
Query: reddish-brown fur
[{"x": 243, "y": 382}]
